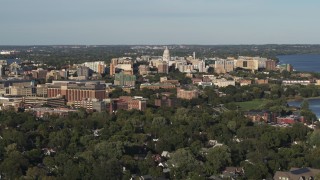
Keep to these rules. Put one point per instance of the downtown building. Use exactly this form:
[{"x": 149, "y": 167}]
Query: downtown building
[
  {"x": 222, "y": 66},
  {"x": 96, "y": 66},
  {"x": 124, "y": 63},
  {"x": 77, "y": 90},
  {"x": 122, "y": 79},
  {"x": 271, "y": 65}
]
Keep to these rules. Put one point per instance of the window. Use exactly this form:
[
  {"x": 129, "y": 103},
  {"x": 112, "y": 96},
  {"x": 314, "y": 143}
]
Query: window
[{"x": 245, "y": 64}]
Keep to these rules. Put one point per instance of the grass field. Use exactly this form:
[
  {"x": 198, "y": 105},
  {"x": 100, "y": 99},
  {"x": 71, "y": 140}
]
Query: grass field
[{"x": 252, "y": 105}]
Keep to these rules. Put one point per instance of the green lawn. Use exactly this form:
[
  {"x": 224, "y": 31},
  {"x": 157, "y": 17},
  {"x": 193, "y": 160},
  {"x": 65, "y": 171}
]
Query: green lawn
[{"x": 252, "y": 105}]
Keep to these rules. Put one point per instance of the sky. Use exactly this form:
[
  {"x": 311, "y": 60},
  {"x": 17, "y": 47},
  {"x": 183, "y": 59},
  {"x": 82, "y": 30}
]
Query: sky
[{"x": 115, "y": 22}]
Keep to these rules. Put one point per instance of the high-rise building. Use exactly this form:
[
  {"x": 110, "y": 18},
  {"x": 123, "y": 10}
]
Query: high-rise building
[
  {"x": 97, "y": 66},
  {"x": 270, "y": 65},
  {"x": 125, "y": 64},
  {"x": 83, "y": 71},
  {"x": 143, "y": 69},
  {"x": 112, "y": 69},
  {"x": 163, "y": 68},
  {"x": 223, "y": 65},
  {"x": 202, "y": 66},
  {"x": 122, "y": 79},
  {"x": 247, "y": 63},
  {"x": 39, "y": 73}
]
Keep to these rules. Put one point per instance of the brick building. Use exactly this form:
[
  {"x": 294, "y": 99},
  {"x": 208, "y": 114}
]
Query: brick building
[
  {"x": 128, "y": 103},
  {"x": 165, "y": 101},
  {"x": 158, "y": 86},
  {"x": 187, "y": 94},
  {"x": 163, "y": 68},
  {"x": 77, "y": 91},
  {"x": 270, "y": 65}
]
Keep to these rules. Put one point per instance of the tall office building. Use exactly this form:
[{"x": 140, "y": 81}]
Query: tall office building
[
  {"x": 223, "y": 65},
  {"x": 83, "y": 71},
  {"x": 163, "y": 68},
  {"x": 112, "y": 69},
  {"x": 122, "y": 79},
  {"x": 97, "y": 66},
  {"x": 202, "y": 66},
  {"x": 270, "y": 65}
]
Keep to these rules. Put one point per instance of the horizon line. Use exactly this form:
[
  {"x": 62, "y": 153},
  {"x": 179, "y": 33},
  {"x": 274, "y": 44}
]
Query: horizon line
[{"x": 165, "y": 44}]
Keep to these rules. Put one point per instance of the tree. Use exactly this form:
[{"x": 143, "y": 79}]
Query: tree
[
  {"x": 314, "y": 138},
  {"x": 217, "y": 159},
  {"x": 110, "y": 149},
  {"x": 35, "y": 173},
  {"x": 157, "y": 125},
  {"x": 14, "y": 165},
  {"x": 182, "y": 162},
  {"x": 305, "y": 105},
  {"x": 255, "y": 171},
  {"x": 107, "y": 168}
]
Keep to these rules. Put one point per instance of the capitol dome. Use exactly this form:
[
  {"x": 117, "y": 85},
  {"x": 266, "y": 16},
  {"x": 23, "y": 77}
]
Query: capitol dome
[{"x": 166, "y": 54}]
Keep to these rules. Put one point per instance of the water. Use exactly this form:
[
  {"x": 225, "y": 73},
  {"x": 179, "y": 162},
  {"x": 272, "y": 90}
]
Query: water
[
  {"x": 302, "y": 62},
  {"x": 314, "y": 105},
  {"x": 307, "y": 63}
]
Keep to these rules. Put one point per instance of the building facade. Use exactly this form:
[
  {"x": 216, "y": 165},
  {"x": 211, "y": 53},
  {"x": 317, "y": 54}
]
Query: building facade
[
  {"x": 77, "y": 91},
  {"x": 187, "y": 94},
  {"x": 122, "y": 79},
  {"x": 163, "y": 68},
  {"x": 96, "y": 66},
  {"x": 223, "y": 66},
  {"x": 270, "y": 65}
]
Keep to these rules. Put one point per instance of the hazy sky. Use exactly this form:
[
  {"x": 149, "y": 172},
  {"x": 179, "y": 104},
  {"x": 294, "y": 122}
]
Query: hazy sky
[{"x": 87, "y": 22}]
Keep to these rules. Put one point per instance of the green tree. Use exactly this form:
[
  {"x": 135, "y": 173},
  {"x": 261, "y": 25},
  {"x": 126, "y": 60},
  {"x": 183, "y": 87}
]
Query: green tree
[
  {"x": 107, "y": 168},
  {"x": 14, "y": 166},
  {"x": 305, "y": 105},
  {"x": 35, "y": 173},
  {"x": 217, "y": 159},
  {"x": 182, "y": 162},
  {"x": 314, "y": 138}
]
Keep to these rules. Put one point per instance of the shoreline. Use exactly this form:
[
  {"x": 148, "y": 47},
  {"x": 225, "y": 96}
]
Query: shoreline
[{"x": 301, "y": 99}]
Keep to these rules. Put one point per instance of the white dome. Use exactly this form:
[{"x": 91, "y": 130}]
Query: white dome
[{"x": 166, "y": 54}]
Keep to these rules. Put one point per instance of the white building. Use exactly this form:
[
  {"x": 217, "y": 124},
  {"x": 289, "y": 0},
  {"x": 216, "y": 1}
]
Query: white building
[
  {"x": 223, "y": 65},
  {"x": 166, "y": 55},
  {"x": 96, "y": 66},
  {"x": 202, "y": 67},
  {"x": 224, "y": 82}
]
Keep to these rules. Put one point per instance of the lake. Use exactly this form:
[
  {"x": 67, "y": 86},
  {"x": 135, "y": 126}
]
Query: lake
[
  {"x": 314, "y": 105},
  {"x": 308, "y": 63},
  {"x": 302, "y": 62}
]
